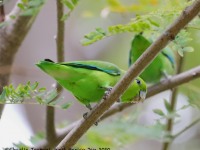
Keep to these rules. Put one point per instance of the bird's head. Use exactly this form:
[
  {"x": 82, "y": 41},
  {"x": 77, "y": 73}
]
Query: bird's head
[
  {"x": 142, "y": 90},
  {"x": 136, "y": 92}
]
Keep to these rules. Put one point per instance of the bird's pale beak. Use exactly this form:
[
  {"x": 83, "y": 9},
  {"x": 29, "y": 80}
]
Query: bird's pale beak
[{"x": 142, "y": 95}]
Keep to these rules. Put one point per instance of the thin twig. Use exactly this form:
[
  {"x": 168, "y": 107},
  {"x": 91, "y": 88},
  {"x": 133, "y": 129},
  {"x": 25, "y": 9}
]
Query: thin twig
[
  {"x": 60, "y": 31},
  {"x": 170, "y": 121},
  {"x": 76, "y": 133},
  {"x": 167, "y": 84},
  {"x": 186, "y": 128},
  {"x": 2, "y": 13},
  {"x": 50, "y": 111}
]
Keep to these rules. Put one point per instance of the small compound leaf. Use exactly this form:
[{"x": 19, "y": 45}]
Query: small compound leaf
[
  {"x": 51, "y": 95},
  {"x": 153, "y": 22},
  {"x": 159, "y": 112},
  {"x": 35, "y": 3},
  {"x": 94, "y": 36},
  {"x": 39, "y": 99},
  {"x": 100, "y": 30},
  {"x": 188, "y": 49},
  {"x": 172, "y": 115},
  {"x": 21, "y": 6},
  {"x": 180, "y": 52},
  {"x": 167, "y": 106},
  {"x": 30, "y": 12},
  {"x": 37, "y": 138},
  {"x": 42, "y": 89},
  {"x": 184, "y": 107},
  {"x": 68, "y": 4},
  {"x": 21, "y": 145},
  {"x": 75, "y": 2},
  {"x": 34, "y": 86},
  {"x": 56, "y": 101},
  {"x": 66, "y": 105},
  {"x": 25, "y": 1},
  {"x": 3, "y": 96},
  {"x": 3, "y": 24},
  {"x": 64, "y": 17},
  {"x": 12, "y": 16}
]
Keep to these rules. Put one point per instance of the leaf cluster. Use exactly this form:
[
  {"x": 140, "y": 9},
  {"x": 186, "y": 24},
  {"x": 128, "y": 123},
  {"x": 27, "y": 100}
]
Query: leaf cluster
[
  {"x": 23, "y": 94},
  {"x": 151, "y": 24},
  {"x": 70, "y": 4},
  {"x": 30, "y": 7}
]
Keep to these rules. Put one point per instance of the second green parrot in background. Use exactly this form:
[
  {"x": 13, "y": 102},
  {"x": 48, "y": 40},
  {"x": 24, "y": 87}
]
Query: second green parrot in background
[
  {"x": 89, "y": 80},
  {"x": 162, "y": 65}
]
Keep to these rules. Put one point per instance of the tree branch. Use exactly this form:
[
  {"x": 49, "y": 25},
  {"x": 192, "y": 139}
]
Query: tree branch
[
  {"x": 11, "y": 37},
  {"x": 2, "y": 13},
  {"x": 61, "y": 32},
  {"x": 75, "y": 134},
  {"x": 167, "y": 84},
  {"x": 170, "y": 121},
  {"x": 50, "y": 111}
]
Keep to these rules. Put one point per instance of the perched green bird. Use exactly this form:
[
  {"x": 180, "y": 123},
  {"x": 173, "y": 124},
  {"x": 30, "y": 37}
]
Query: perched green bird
[
  {"x": 162, "y": 65},
  {"x": 89, "y": 80}
]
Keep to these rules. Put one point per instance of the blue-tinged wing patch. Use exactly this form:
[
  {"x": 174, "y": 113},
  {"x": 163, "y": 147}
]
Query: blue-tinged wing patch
[
  {"x": 112, "y": 70},
  {"x": 170, "y": 58}
]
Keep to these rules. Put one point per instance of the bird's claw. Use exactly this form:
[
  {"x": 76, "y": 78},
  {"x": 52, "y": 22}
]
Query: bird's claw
[
  {"x": 107, "y": 92},
  {"x": 119, "y": 100},
  {"x": 96, "y": 123},
  {"x": 85, "y": 115},
  {"x": 89, "y": 106}
]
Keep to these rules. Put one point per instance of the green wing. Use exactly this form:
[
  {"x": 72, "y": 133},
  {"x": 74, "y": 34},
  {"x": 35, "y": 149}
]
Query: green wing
[
  {"x": 95, "y": 65},
  {"x": 138, "y": 46},
  {"x": 168, "y": 53}
]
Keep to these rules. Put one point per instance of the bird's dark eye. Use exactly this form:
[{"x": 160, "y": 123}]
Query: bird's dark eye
[{"x": 138, "y": 81}]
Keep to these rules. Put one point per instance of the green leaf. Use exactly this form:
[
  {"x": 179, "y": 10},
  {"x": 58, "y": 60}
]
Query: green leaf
[
  {"x": 21, "y": 6},
  {"x": 34, "y": 86},
  {"x": 42, "y": 89},
  {"x": 39, "y": 99},
  {"x": 25, "y": 1},
  {"x": 21, "y": 146},
  {"x": 184, "y": 107},
  {"x": 153, "y": 22},
  {"x": 94, "y": 36},
  {"x": 64, "y": 17},
  {"x": 159, "y": 112},
  {"x": 68, "y": 4},
  {"x": 12, "y": 16},
  {"x": 172, "y": 115},
  {"x": 56, "y": 101},
  {"x": 37, "y": 138},
  {"x": 66, "y": 105},
  {"x": 75, "y": 2},
  {"x": 35, "y": 3},
  {"x": 3, "y": 24},
  {"x": 180, "y": 52},
  {"x": 30, "y": 12},
  {"x": 3, "y": 96},
  {"x": 167, "y": 106},
  {"x": 100, "y": 30},
  {"x": 51, "y": 95},
  {"x": 188, "y": 49}
]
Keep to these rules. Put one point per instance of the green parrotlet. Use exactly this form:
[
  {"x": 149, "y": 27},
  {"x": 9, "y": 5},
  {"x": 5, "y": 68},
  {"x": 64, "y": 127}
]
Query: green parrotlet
[
  {"x": 162, "y": 65},
  {"x": 88, "y": 81}
]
